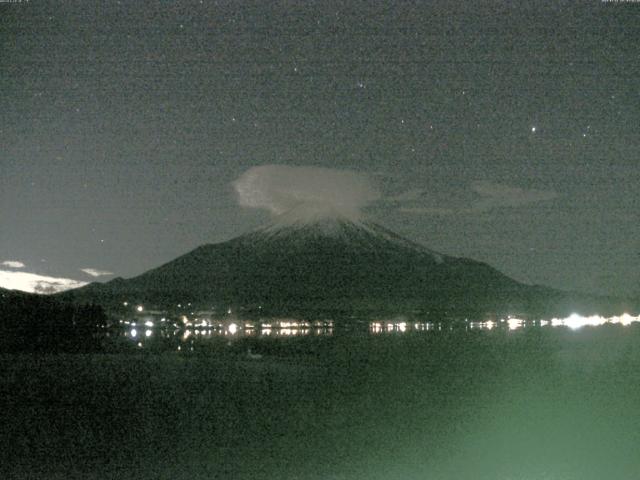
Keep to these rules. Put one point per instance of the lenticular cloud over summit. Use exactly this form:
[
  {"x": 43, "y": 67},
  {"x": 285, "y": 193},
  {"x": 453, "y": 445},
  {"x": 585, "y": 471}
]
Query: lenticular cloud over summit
[{"x": 281, "y": 189}]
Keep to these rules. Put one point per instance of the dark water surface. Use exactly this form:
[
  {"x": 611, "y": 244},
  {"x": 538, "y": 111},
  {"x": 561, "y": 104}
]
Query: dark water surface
[{"x": 536, "y": 403}]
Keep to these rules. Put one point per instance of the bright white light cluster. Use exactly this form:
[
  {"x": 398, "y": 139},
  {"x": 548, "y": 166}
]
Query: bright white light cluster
[
  {"x": 575, "y": 321},
  {"x": 515, "y": 323}
]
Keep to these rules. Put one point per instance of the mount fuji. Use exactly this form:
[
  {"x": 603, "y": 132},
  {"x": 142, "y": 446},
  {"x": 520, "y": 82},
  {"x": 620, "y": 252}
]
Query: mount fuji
[{"x": 318, "y": 260}]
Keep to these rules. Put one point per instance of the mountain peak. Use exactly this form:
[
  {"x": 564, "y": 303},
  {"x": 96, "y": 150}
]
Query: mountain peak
[
  {"x": 321, "y": 218},
  {"x": 313, "y": 257}
]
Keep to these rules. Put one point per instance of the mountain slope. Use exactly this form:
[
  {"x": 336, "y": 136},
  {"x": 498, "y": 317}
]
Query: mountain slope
[{"x": 331, "y": 262}]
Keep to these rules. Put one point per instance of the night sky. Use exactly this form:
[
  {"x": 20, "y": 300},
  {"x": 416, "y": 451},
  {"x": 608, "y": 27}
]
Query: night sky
[{"x": 506, "y": 134}]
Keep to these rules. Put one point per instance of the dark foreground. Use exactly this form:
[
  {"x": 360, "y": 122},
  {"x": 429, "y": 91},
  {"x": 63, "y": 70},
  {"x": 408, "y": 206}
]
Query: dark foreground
[{"x": 533, "y": 404}]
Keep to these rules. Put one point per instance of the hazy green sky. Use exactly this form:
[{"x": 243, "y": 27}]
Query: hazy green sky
[{"x": 502, "y": 131}]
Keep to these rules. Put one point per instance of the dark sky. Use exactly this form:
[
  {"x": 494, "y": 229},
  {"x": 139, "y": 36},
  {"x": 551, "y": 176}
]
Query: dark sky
[{"x": 504, "y": 133}]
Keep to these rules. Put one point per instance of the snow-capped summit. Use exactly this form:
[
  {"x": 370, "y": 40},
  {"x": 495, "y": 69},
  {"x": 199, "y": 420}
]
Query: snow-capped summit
[
  {"x": 309, "y": 224},
  {"x": 312, "y": 220},
  {"x": 309, "y": 213}
]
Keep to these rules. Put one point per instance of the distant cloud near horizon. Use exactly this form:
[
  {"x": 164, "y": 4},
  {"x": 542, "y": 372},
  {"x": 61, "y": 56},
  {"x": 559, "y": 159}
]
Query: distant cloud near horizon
[
  {"x": 428, "y": 210},
  {"x": 95, "y": 273},
  {"x": 492, "y": 196},
  {"x": 12, "y": 264},
  {"x": 408, "y": 196},
  {"x": 34, "y": 283},
  {"x": 496, "y": 195},
  {"x": 281, "y": 188}
]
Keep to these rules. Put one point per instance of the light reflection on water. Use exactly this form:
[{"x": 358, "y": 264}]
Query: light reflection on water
[{"x": 291, "y": 328}]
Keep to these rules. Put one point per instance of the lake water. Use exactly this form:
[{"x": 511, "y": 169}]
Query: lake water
[{"x": 529, "y": 402}]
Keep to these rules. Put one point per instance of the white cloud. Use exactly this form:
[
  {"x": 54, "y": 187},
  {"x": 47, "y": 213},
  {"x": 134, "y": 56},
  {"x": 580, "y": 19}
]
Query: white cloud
[
  {"x": 95, "y": 273},
  {"x": 12, "y": 264},
  {"x": 34, "y": 283},
  {"x": 280, "y": 188}
]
